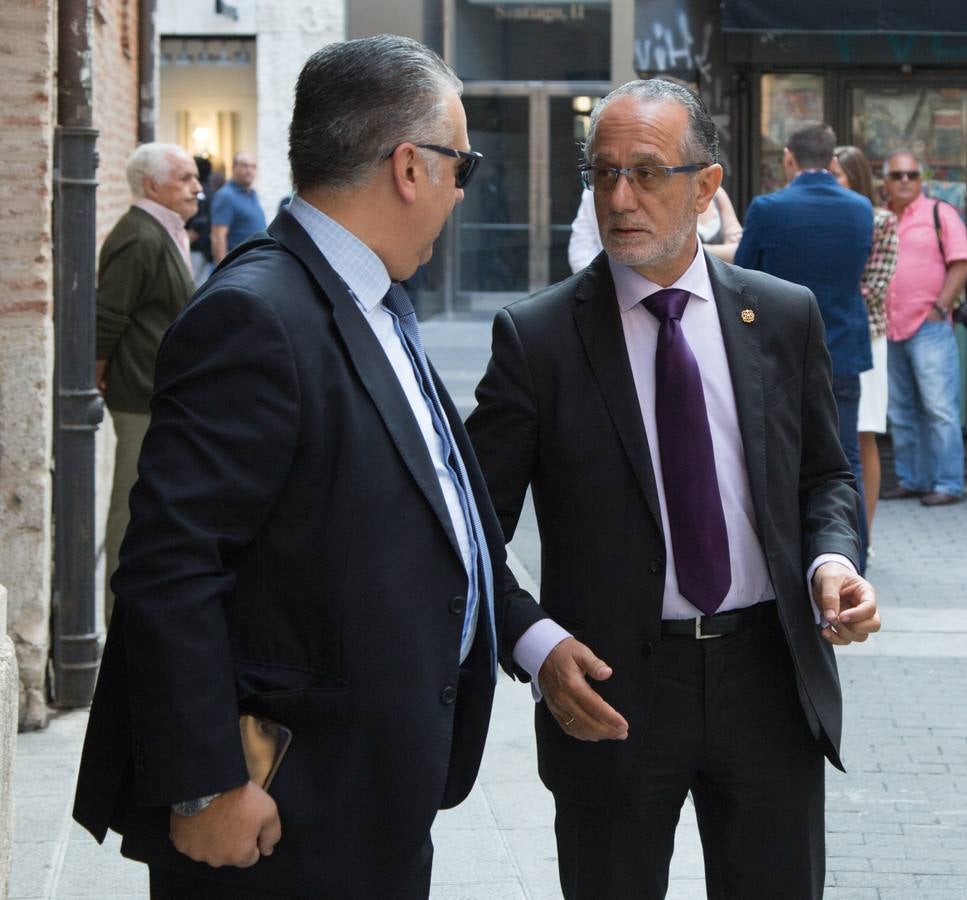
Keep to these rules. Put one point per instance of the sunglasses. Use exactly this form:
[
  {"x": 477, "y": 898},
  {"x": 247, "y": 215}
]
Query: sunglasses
[
  {"x": 469, "y": 160},
  {"x": 911, "y": 175}
]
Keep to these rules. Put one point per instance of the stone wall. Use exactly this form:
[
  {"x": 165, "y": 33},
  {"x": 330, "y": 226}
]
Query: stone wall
[
  {"x": 9, "y": 692},
  {"x": 27, "y": 57}
]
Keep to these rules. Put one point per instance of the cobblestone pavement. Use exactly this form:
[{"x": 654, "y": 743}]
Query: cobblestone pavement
[{"x": 896, "y": 822}]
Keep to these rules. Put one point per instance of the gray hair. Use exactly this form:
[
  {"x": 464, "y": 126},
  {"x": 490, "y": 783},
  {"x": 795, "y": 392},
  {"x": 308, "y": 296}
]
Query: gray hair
[
  {"x": 700, "y": 142},
  {"x": 894, "y": 154},
  {"x": 150, "y": 161},
  {"x": 356, "y": 101}
]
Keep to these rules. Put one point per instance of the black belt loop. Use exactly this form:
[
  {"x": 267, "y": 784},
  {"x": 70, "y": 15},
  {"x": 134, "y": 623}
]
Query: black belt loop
[{"x": 721, "y": 624}]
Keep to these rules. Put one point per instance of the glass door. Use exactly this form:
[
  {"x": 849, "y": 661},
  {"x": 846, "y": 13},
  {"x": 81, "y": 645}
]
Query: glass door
[{"x": 493, "y": 235}]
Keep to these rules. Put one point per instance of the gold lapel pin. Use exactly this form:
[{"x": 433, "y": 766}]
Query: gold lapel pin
[{"x": 748, "y": 316}]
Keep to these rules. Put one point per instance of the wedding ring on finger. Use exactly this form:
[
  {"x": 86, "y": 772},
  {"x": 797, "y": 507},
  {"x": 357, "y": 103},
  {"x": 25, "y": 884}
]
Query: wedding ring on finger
[{"x": 569, "y": 722}]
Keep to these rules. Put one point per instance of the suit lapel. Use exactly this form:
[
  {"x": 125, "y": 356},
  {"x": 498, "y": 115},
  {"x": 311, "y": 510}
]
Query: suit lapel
[
  {"x": 371, "y": 365},
  {"x": 743, "y": 349},
  {"x": 598, "y": 322}
]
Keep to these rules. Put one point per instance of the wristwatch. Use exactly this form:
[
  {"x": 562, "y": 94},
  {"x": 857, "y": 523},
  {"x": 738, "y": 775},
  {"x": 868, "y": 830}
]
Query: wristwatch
[{"x": 193, "y": 807}]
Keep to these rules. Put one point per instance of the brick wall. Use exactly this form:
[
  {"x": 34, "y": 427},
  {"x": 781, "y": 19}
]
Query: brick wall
[{"x": 115, "y": 105}]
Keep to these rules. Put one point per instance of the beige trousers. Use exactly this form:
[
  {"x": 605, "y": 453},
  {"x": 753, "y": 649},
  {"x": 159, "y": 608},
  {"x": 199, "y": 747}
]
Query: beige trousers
[{"x": 130, "y": 429}]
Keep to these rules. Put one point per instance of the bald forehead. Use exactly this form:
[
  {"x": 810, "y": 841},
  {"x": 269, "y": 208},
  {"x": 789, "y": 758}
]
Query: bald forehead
[
  {"x": 648, "y": 129},
  {"x": 907, "y": 160}
]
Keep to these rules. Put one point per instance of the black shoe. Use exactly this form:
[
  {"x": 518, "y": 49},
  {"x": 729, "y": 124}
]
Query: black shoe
[
  {"x": 901, "y": 493},
  {"x": 939, "y": 498}
]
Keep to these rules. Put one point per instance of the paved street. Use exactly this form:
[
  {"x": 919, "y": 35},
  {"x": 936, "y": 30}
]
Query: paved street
[{"x": 897, "y": 822}]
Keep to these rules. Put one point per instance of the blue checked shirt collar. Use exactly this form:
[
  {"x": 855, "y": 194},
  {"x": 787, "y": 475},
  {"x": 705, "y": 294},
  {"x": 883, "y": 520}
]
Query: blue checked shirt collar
[{"x": 361, "y": 270}]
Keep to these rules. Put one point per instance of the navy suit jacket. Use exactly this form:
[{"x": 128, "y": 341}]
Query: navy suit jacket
[
  {"x": 290, "y": 554},
  {"x": 818, "y": 234}
]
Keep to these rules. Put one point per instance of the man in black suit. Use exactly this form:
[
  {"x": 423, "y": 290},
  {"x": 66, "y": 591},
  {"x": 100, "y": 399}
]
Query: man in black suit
[
  {"x": 742, "y": 514},
  {"x": 311, "y": 540}
]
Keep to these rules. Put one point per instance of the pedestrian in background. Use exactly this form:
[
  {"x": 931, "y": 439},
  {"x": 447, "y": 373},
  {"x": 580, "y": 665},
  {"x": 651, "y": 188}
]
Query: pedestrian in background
[
  {"x": 236, "y": 211},
  {"x": 144, "y": 279},
  {"x": 818, "y": 234},
  {"x": 199, "y": 225},
  {"x": 852, "y": 170},
  {"x": 688, "y": 482},
  {"x": 922, "y": 357}
]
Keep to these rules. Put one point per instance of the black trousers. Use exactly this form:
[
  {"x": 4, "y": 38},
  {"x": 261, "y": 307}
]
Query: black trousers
[
  {"x": 167, "y": 885},
  {"x": 727, "y": 725}
]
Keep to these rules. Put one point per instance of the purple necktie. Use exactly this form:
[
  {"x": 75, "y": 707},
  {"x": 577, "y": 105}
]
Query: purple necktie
[{"x": 695, "y": 517}]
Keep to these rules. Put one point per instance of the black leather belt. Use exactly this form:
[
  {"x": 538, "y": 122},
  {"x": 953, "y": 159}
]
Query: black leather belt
[{"x": 720, "y": 624}]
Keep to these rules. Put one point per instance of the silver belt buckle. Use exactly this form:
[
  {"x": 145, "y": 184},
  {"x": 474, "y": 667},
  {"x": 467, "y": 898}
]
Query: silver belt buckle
[{"x": 698, "y": 631}]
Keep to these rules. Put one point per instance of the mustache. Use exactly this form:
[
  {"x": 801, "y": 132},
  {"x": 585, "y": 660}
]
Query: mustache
[{"x": 619, "y": 222}]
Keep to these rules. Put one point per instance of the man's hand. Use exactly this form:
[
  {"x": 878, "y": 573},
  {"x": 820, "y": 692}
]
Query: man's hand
[
  {"x": 847, "y": 602},
  {"x": 100, "y": 376},
  {"x": 578, "y": 708},
  {"x": 234, "y": 830}
]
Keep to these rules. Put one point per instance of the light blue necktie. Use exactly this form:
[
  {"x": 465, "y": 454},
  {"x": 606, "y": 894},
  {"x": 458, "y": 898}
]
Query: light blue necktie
[{"x": 399, "y": 305}]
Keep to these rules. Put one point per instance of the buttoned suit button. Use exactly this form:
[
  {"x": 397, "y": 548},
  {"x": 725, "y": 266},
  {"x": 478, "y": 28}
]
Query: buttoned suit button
[
  {"x": 657, "y": 564},
  {"x": 448, "y": 695},
  {"x": 458, "y": 605},
  {"x": 647, "y": 648}
]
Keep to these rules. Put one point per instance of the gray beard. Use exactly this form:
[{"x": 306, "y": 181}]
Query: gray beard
[{"x": 660, "y": 249}]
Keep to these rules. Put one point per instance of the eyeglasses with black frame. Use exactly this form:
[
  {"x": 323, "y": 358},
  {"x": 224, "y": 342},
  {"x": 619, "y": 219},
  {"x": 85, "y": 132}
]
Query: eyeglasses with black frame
[
  {"x": 909, "y": 174},
  {"x": 642, "y": 178},
  {"x": 469, "y": 160}
]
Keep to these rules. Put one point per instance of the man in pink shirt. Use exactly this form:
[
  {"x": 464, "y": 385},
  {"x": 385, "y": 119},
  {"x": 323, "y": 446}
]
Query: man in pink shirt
[{"x": 924, "y": 369}]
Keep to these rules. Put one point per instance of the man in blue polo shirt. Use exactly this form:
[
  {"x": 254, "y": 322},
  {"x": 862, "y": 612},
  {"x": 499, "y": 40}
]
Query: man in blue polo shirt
[{"x": 236, "y": 212}]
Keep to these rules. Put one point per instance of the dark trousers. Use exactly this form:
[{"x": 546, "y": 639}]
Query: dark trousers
[
  {"x": 727, "y": 725},
  {"x": 846, "y": 392},
  {"x": 166, "y": 885}
]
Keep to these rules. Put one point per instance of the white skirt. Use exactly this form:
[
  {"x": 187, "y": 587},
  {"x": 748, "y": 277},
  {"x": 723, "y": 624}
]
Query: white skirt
[{"x": 873, "y": 392}]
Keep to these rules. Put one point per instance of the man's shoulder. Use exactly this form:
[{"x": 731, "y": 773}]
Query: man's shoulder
[
  {"x": 266, "y": 271},
  {"x": 758, "y": 283},
  {"x": 555, "y": 300},
  {"x": 136, "y": 231}
]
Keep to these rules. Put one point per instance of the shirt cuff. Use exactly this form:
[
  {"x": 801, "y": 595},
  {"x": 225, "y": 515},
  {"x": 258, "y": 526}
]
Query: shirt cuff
[
  {"x": 533, "y": 647},
  {"x": 817, "y": 562}
]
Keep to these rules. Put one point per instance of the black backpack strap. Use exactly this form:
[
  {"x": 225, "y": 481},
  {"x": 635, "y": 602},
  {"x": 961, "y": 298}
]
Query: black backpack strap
[{"x": 939, "y": 230}]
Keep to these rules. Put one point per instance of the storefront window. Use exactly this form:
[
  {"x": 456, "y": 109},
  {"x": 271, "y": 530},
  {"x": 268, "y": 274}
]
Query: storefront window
[
  {"x": 930, "y": 122},
  {"x": 788, "y": 102}
]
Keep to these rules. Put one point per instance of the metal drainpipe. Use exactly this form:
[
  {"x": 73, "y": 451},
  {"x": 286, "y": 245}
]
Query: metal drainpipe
[
  {"x": 78, "y": 408},
  {"x": 147, "y": 69}
]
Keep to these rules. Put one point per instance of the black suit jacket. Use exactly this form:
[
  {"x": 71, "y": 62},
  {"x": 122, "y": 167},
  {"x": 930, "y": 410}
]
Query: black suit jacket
[
  {"x": 557, "y": 410},
  {"x": 289, "y": 554}
]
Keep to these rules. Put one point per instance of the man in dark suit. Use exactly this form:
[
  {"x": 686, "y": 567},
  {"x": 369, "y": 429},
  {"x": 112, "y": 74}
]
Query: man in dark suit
[
  {"x": 691, "y": 495},
  {"x": 311, "y": 540},
  {"x": 817, "y": 233}
]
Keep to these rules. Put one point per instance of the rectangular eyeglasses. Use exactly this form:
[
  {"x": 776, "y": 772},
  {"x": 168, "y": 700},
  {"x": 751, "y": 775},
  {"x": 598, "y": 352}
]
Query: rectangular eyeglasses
[{"x": 642, "y": 178}]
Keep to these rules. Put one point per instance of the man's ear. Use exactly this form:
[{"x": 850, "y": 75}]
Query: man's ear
[
  {"x": 403, "y": 165},
  {"x": 709, "y": 180},
  {"x": 149, "y": 187}
]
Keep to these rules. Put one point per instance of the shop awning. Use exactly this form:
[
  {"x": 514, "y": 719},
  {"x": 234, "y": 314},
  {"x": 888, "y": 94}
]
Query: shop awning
[{"x": 854, "y": 16}]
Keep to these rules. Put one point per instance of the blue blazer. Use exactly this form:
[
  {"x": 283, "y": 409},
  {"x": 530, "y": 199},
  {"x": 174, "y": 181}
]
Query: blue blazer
[{"x": 818, "y": 234}]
